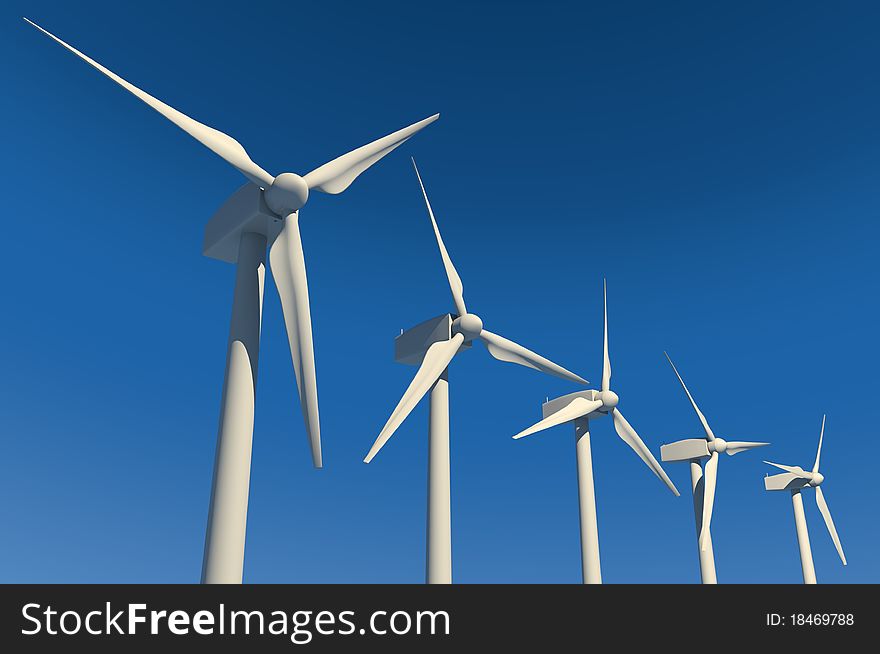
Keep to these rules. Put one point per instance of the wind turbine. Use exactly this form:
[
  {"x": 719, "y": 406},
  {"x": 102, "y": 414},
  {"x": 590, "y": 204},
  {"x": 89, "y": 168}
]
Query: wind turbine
[
  {"x": 432, "y": 345},
  {"x": 579, "y": 408},
  {"x": 263, "y": 211},
  {"x": 794, "y": 479},
  {"x": 694, "y": 450}
]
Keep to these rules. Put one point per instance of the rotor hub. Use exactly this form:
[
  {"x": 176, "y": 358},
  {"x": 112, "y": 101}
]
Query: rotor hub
[
  {"x": 816, "y": 479},
  {"x": 609, "y": 399},
  {"x": 718, "y": 445},
  {"x": 287, "y": 194},
  {"x": 469, "y": 325}
]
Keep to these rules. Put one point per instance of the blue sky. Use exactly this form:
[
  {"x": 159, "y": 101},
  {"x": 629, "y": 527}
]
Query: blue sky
[{"x": 717, "y": 164}]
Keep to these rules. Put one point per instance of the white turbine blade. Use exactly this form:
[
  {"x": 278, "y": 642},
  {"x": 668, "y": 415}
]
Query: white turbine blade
[
  {"x": 700, "y": 415},
  {"x": 819, "y": 451},
  {"x": 606, "y": 364},
  {"x": 631, "y": 438},
  {"x": 795, "y": 470},
  {"x": 710, "y": 476},
  {"x": 826, "y": 513},
  {"x": 735, "y": 447},
  {"x": 577, "y": 408},
  {"x": 454, "y": 280},
  {"x": 289, "y": 271},
  {"x": 506, "y": 350},
  {"x": 221, "y": 144},
  {"x": 337, "y": 175},
  {"x": 436, "y": 360}
]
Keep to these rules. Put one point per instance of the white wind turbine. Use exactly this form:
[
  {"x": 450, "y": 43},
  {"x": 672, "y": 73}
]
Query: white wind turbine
[
  {"x": 579, "y": 408},
  {"x": 794, "y": 479},
  {"x": 263, "y": 211},
  {"x": 432, "y": 345},
  {"x": 694, "y": 450}
]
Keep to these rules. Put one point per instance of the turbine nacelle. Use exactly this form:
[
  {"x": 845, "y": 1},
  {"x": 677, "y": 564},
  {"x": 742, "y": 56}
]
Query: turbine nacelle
[
  {"x": 288, "y": 193},
  {"x": 470, "y": 325}
]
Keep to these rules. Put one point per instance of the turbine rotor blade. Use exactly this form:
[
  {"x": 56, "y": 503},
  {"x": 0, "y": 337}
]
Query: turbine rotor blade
[
  {"x": 455, "y": 284},
  {"x": 289, "y": 271},
  {"x": 606, "y": 364},
  {"x": 436, "y": 360},
  {"x": 735, "y": 447},
  {"x": 221, "y": 144},
  {"x": 506, "y": 350},
  {"x": 819, "y": 450},
  {"x": 826, "y": 513},
  {"x": 577, "y": 408},
  {"x": 710, "y": 476},
  {"x": 337, "y": 175},
  {"x": 631, "y": 438},
  {"x": 703, "y": 421},
  {"x": 795, "y": 470}
]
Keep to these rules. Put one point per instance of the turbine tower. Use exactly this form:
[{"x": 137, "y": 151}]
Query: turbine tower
[
  {"x": 432, "y": 345},
  {"x": 265, "y": 211},
  {"x": 694, "y": 450},
  {"x": 579, "y": 408},
  {"x": 794, "y": 479}
]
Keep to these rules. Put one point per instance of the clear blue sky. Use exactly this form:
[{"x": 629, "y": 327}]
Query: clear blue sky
[{"x": 718, "y": 164}]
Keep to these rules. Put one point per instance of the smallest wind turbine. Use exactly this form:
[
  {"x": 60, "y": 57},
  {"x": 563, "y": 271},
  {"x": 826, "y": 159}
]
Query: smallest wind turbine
[
  {"x": 794, "y": 479},
  {"x": 694, "y": 450}
]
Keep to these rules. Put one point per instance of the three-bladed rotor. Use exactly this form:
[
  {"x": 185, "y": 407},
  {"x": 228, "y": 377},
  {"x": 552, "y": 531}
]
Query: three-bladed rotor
[
  {"x": 285, "y": 195},
  {"x": 714, "y": 447},
  {"x": 814, "y": 479},
  {"x": 466, "y": 327},
  {"x": 604, "y": 402}
]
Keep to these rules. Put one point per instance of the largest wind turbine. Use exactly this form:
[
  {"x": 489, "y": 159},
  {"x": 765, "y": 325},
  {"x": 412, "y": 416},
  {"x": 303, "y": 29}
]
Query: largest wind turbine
[
  {"x": 432, "y": 345},
  {"x": 264, "y": 211}
]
